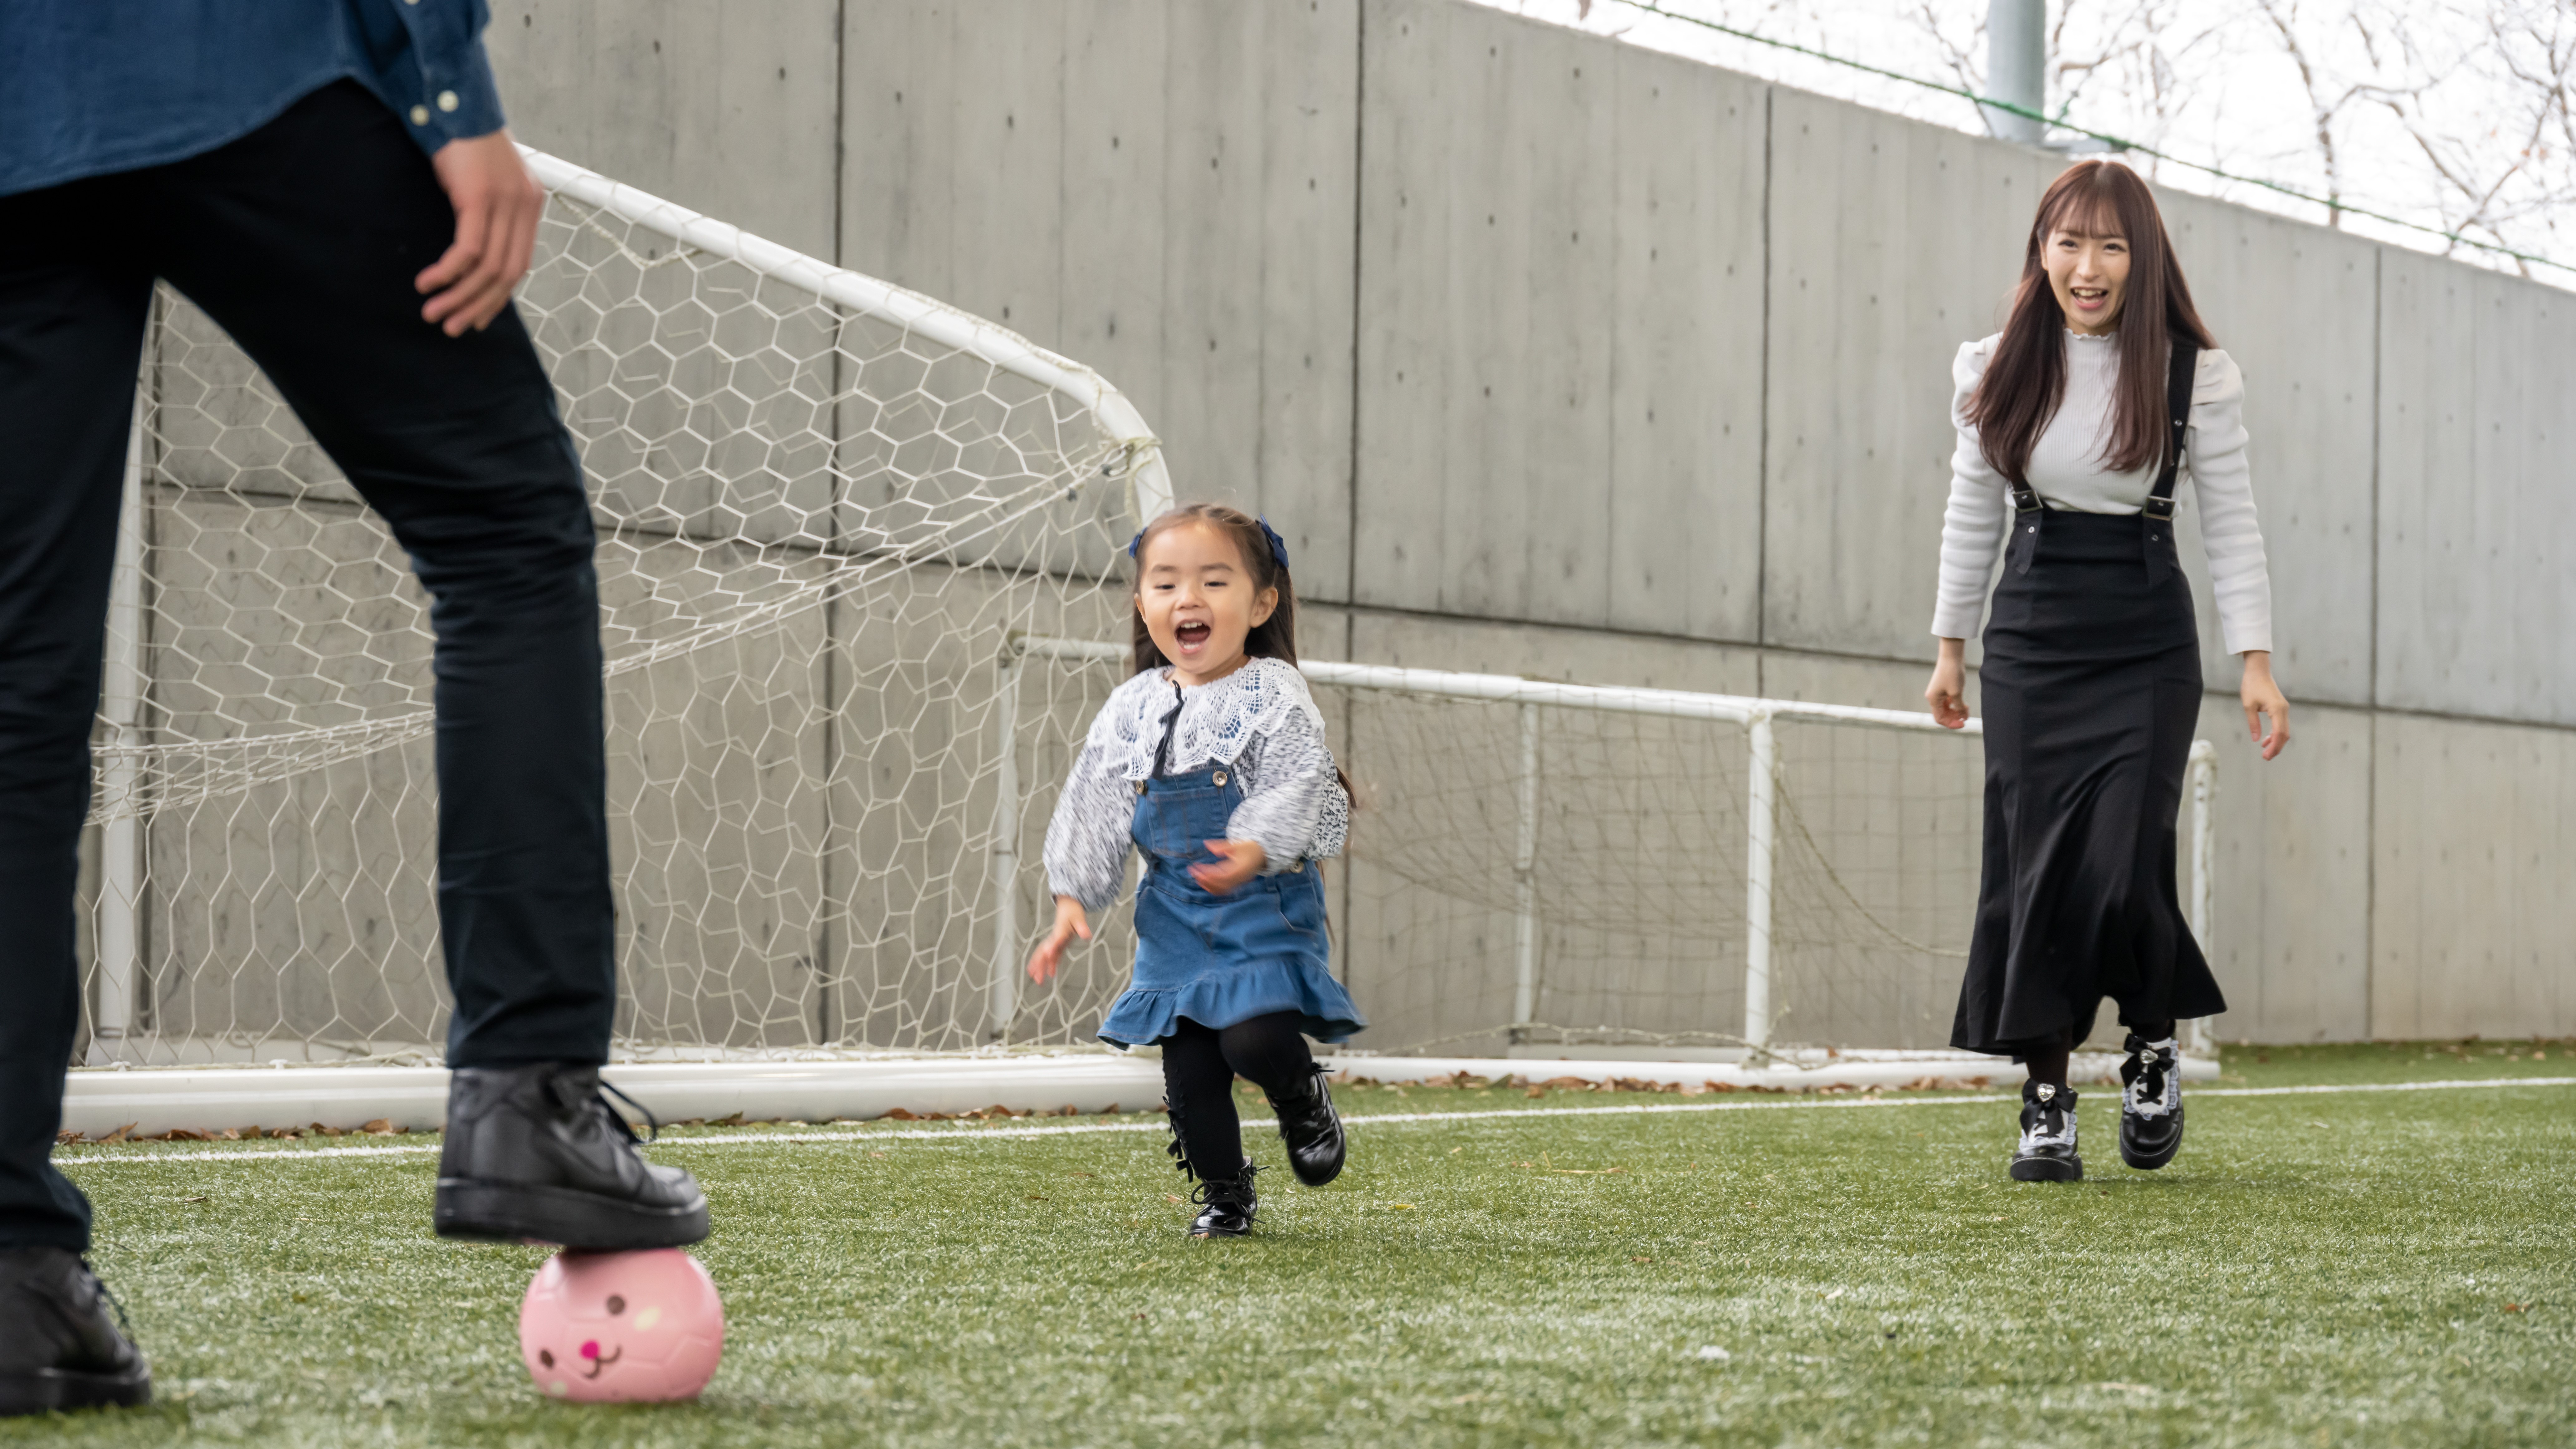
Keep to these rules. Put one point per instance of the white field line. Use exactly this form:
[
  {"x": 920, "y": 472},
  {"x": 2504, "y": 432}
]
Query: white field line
[{"x": 1380, "y": 1119}]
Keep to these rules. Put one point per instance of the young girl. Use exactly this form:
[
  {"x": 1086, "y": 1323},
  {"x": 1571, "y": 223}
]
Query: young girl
[
  {"x": 1211, "y": 760},
  {"x": 2101, "y": 389}
]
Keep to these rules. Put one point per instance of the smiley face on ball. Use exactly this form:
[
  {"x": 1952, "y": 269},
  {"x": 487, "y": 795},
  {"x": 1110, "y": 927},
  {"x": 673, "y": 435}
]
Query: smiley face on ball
[
  {"x": 593, "y": 1357},
  {"x": 622, "y": 1326}
]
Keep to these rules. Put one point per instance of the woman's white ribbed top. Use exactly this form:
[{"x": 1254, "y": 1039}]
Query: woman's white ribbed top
[{"x": 2066, "y": 471}]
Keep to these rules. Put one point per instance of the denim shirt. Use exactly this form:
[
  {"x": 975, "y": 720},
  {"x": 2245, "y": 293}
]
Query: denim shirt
[{"x": 89, "y": 87}]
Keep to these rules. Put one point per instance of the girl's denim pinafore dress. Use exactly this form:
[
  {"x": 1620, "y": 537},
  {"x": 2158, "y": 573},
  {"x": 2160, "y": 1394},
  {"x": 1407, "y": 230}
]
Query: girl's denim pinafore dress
[{"x": 1220, "y": 959}]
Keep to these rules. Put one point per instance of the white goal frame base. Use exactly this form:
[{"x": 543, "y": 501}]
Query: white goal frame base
[{"x": 147, "y": 1102}]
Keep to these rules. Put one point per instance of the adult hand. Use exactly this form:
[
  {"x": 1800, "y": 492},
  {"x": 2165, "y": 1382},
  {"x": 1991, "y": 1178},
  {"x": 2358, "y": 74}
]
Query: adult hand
[
  {"x": 2263, "y": 699},
  {"x": 1236, "y": 861},
  {"x": 1948, "y": 691},
  {"x": 497, "y": 204},
  {"x": 1069, "y": 923}
]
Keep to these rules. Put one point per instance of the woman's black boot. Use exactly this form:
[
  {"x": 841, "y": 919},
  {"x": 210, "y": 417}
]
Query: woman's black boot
[
  {"x": 1312, "y": 1130},
  {"x": 2150, "y": 1103},
  {"x": 1229, "y": 1205},
  {"x": 2046, "y": 1152}
]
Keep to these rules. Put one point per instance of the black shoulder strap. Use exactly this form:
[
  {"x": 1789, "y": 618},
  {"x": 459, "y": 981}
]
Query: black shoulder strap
[
  {"x": 1171, "y": 722},
  {"x": 2186, "y": 366}
]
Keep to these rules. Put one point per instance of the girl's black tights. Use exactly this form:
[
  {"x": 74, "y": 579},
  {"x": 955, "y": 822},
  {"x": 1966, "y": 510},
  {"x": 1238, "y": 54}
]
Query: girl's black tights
[{"x": 1200, "y": 1064}]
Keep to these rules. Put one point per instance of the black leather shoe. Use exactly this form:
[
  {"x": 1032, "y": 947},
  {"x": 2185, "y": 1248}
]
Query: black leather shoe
[
  {"x": 1229, "y": 1206},
  {"x": 2046, "y": 1152},
  {"x": 59, "y": 1348},
  {"x": 535, "y": 1155},
  {"x": 2150, "y": 1103},
  {"x": 1312, "y": 1130}
]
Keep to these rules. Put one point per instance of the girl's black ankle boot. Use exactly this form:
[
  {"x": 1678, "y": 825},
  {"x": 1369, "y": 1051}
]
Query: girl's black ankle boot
[
  {"x": 1229, "y": 1204},
  {"x": 1312, "y": 1130}
]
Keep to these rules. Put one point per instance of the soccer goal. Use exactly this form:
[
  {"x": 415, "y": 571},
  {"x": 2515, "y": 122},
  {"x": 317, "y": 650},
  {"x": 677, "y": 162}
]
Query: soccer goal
[
  {"x": 823, "y": 503},
  {"x": 857, "y": 552}
]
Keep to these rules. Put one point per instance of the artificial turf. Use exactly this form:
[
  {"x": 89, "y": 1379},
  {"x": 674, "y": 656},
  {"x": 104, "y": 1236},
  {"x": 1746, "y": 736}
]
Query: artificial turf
[{"x": 2379, "y": 1267}]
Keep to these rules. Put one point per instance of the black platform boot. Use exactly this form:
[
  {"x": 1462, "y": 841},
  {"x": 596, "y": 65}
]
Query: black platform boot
[
  {"x": 59, "y": 1349},
  {"x": 1230, "y": 1205},
  {"x": 2046, "y": 1152},
  {"x": 2150, "y": 1103},
  {"x": 535, "y": 1154},
  {"x": 1312, "y": 1130}
]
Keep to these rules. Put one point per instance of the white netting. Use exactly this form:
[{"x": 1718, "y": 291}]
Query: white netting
[
  {"x": 817, "y": 528},
  {"x": 1636, "y": 890}
]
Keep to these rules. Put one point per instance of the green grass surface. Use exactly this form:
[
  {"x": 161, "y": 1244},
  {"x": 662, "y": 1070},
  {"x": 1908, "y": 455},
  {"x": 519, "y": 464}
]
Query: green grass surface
[{"x": 2347, "y": 1268}]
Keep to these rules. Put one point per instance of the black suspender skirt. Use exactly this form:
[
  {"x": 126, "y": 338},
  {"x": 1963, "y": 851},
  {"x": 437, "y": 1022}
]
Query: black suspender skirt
[{"x": 2091, "y": 690}]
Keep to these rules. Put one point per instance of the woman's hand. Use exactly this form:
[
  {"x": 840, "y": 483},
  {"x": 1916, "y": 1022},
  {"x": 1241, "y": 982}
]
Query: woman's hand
[
  {"x": 1069, "y": 923},
  {"x": 1948, "y": 691},
  {"x": 2262, "y": 697},
  {"x": 1237, "y": 861}
]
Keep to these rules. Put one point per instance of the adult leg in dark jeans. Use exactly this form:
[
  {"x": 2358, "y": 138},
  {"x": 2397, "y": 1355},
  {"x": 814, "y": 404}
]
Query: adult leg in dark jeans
[
  {"x": 302, "y": 239},
  {"x": 72, "y": 301}
]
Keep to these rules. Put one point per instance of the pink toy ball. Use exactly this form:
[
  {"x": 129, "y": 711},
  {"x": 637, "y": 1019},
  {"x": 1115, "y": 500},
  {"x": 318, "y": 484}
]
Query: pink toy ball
[{"x": 603, "y": 1328}]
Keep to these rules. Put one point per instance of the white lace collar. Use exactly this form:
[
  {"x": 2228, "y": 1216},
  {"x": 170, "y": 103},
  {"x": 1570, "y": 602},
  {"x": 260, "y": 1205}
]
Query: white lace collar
[{"x": 1217, "y": 720}]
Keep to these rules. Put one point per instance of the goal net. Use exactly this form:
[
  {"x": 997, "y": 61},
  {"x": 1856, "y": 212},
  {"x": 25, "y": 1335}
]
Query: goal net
[
  {"x": 822, "y": 504},
  {"x": 857, "y": 554}
]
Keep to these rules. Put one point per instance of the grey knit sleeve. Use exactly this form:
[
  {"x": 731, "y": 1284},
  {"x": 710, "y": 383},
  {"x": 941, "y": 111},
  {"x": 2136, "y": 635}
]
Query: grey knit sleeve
[
  {"x": 1293, "y": 803},
  {"x": 1087, "y": 840}
]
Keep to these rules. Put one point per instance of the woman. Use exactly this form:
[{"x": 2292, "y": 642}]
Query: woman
[{"x": 2075, "y": 424}]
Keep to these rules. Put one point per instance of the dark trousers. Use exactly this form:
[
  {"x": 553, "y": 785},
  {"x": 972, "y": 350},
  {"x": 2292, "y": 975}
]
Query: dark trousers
[
  {"x": 301, "y": 240},
  {"x": 1200, "y": 1064}
]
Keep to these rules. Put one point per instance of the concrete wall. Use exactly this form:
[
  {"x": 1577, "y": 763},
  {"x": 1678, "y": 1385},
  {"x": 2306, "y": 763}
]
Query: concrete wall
[{"x": 1555, "y": 356}]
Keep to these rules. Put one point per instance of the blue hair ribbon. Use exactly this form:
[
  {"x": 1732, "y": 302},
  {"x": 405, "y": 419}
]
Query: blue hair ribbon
[{"x": 1278, "y": 545}]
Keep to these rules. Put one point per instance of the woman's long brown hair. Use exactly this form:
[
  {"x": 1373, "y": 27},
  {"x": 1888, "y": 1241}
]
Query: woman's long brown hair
[
  {"x": 1272, "y": 638},
  {"x": 2026, "y": 378}
]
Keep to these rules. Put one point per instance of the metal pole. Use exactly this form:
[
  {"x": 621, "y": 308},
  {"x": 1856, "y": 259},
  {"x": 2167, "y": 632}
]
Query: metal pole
[
  {"x": 120, "y": 893},
  {"x": 1525, "y": 883},
  {"x": 1006, "y": 845},
  {"x": 1761, "y": 797},
  {"x": 2017, "y": 67}
]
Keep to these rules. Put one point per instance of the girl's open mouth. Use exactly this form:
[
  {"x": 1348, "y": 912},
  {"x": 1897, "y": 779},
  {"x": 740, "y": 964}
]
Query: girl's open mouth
[{"x": 1191, "y": 635}]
